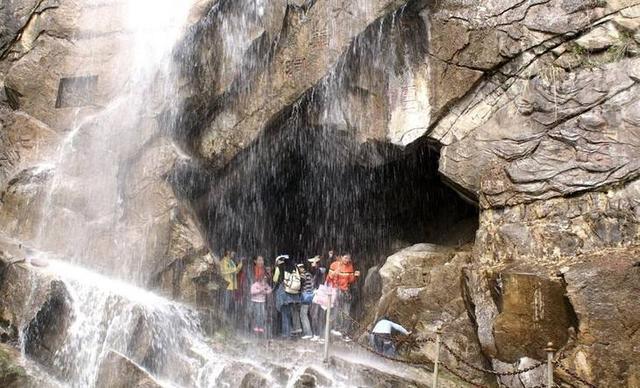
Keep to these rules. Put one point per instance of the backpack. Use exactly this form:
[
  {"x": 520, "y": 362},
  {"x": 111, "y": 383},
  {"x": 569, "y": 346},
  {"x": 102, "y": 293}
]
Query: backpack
[{"x": 292, "y": 282}]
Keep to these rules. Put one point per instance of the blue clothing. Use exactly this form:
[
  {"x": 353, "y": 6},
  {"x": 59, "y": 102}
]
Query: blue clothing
[
  {"x": 259, "y": 314},
  {"x": 284, "y": 298},
  {"x": 382, "y": 344},
  {"x": 285, "y": 312}
]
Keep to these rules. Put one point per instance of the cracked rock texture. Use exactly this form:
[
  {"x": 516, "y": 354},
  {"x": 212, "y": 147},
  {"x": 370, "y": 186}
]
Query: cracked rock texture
[
  {"x": 531, "y": 106},
  {"x": 50, "y": 148}
]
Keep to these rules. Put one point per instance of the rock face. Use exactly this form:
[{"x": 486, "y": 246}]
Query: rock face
[
  {"x": 559, "y": 130},
  {"x": 532, "y": 310},
  {"x": 41, "y": 311},
  {"x": 559, "y": 228},
  {"x": 75, "y": 157},
  {"x": 24, "y": 142},
  {"x": 118, "y": 371},
  {"x": 602, "y": 291},
  {"x": 21, "y": 305},
  {"x": 414, "y": 295},
  {"x": 12, "y": 375},
  {"x": 563, "y": 145},
  {"x": 22, "y": 198},
  {"x": 350, "y": 123},
  {"x": 314, "y": 37}
]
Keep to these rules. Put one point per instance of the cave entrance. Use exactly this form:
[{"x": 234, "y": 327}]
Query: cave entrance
[{"x": 306, "y": 191}]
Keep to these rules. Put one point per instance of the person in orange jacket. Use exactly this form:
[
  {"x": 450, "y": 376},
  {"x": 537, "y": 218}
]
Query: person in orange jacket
[{"x": 341, "y": 276}]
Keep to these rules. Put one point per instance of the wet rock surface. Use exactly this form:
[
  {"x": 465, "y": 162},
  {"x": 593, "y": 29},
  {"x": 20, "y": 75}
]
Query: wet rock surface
[
  {"x": 12, "y": 375},
  {"x": 20, "y": 305},
  {"x": 423, "y": 290},
  {"x": 529, "y": 107},
  {"x": 21, "y": 202},
  {"x": 315, "y": 36},
  {"x": 24, "y": 141},
  {"x": 118, "y": 371}
]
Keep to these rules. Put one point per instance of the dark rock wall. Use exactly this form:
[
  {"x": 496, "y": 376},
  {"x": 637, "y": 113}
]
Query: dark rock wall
[{"x": 371, "y": 126}]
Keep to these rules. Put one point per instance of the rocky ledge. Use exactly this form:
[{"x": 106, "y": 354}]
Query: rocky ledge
[{"x": 507, "y": 135}]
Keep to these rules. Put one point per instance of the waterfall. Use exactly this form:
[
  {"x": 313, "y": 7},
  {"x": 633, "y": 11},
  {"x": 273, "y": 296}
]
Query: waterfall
[
  {"x": 103, "y": 219},
  {"x": 84, "y": 220},
  {"x": 86, "y": 215},
  {"x": 108, "y": 315}
]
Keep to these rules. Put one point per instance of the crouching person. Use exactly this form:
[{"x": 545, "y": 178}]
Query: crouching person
[{"x": 380, "y": 337}]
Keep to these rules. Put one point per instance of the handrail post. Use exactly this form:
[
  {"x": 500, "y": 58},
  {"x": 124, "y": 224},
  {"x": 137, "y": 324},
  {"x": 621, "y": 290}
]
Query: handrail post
[
  {"x": 550, "y": 350},
  {"x": 327, "y": 328},
  {"x": 435, "y": 364}
]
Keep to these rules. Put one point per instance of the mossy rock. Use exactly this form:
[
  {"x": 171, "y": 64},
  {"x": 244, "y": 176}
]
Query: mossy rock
[{"x": 11, "y": 374}]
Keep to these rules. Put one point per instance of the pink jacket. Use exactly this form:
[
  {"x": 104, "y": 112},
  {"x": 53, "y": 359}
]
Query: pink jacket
[{"x": 259, "y": 292}]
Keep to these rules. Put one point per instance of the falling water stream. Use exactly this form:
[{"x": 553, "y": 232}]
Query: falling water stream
[
  {"x": 110, "y": 311},
  {"x": 110, "y": 315},
  {"x": 166, "y": 340},
  {"x": 83, "y": 215}
]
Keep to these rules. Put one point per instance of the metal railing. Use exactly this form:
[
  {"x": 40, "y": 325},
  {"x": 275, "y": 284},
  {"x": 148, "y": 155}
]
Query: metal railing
[{"x": 553, "y": 361}]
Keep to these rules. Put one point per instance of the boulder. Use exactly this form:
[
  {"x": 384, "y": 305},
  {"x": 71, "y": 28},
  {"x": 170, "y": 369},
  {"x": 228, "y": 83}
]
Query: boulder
[
  {"x": 319, "y": 378},
  {"x": 236, "y": 373},
  {"x": 20, "y": 304},
  {"x": 423, "y": 289},
  {"x": 36, "y": 303},
  {"x": 603, "y": 292},
  {"x": 12, "y": 374},
  {"x": 47, "y": 331},
  {"x": 253, "y": 380},
  {"x": 117, "y": 371}
]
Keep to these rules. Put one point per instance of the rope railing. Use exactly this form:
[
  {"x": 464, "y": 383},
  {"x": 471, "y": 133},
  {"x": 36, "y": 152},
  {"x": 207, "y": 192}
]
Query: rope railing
[{"x": 412, "y": 343}]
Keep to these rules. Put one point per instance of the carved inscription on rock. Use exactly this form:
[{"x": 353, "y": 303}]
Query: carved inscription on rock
[{"x": 294, "y": 66}]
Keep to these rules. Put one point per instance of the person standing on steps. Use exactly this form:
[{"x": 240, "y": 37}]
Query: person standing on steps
[
  {"x": 289, "y": 283},
  {"x": 316, "y": 312},
  {"x": 229, "y": 271},
  {"x": 242, "y": 297},
  {"x": 259, "y": 291},
  {"x": 296, "y": 321},
  {"x": 380, "y": 337},
  {"x": 342, "y": 276},
  {"x": 254, "y": 274},
  {"x": 307, "y": 298}
]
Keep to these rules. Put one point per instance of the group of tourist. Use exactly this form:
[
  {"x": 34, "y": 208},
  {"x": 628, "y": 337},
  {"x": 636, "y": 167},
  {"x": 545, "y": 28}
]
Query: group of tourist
[{"x": 290, "y": 297}]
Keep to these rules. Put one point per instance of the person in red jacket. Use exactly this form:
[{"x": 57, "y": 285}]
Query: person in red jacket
[{"x": 341, "y": 276}]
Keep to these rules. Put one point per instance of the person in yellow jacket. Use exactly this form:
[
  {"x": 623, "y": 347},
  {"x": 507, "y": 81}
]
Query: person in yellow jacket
[{"x": 229, "y": 271}]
